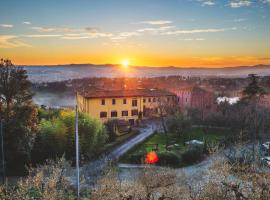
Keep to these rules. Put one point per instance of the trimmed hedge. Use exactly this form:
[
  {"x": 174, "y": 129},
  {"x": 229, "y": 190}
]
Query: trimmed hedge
[
  {"x": 193, "y": 155},
  {"x": 169, "y": 158}
]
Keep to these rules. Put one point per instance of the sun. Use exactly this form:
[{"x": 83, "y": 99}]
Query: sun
[{"x": 125, "y": 63}]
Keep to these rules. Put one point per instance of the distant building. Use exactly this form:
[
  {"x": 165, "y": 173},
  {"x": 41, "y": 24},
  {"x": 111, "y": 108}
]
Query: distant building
[
  {"x": 194, "y": 97},
  {"x": 266, "y": 101},
  {"x": 129, "y": 105}
]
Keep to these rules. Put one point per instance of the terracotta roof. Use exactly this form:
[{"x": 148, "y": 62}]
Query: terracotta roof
[
  {"x": 194, "y": 89},
  {"x": 126, "y": 93}
]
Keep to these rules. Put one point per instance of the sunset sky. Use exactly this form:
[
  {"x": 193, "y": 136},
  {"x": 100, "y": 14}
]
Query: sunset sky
[{"x": 184, "y": 33}]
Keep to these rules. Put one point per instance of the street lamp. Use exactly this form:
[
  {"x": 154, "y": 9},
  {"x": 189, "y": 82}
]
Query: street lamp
[
  {"x": 77, "y": 154},
  {"x": 2, "y": 152}
]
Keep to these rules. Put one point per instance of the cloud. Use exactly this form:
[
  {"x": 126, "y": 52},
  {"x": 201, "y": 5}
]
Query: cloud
[
  {"x": 85, "y": 35},
  {"x": 91, "y": 29},
  {"x": 193, "y": 31},
  {"x": 11, "y": 41},
  {"x": 192, "y": 39},
  {"x": 157, "y": 22},
  {"x": 43, "y": 29},
  {"x": 142, "y": 31},
  {"x": 27, "y": 23},
  {"x": 42, "y": 35},
  {"x": 240, "y": 3},
  {"x": 239, "y": 20},
  {"x": 265, "y": 58},
  {"x": 124, "y": 35},
  {"x": 266, "y": 1},
  {"x": 207, "y": 2},
  {"x": 74, "y": 37},
  {"x": 155, "y": 30},
  {"x": 55, "y": 29},
  {"x": 71, "y": 33},
  {"x": 6, "y": 25}
]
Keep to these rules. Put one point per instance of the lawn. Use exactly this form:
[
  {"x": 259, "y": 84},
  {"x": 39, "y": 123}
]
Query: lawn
[{"x": 176, "y": 146}]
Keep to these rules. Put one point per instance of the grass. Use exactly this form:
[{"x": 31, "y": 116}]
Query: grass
[{"x": 176, "y": 144}]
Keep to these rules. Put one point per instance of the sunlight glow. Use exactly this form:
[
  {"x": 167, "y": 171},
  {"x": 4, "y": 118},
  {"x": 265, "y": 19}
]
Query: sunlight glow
[{"x": 125, "y": 63}]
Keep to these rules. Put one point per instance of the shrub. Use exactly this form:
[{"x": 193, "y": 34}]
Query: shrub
[
  {"x": 56, "y": 137},
  {"x": 193, "y": 155},
  {"x": 168, "y": 158},
  {"x": 45, "y": 182},
  {"x": 137, "y": 158}
]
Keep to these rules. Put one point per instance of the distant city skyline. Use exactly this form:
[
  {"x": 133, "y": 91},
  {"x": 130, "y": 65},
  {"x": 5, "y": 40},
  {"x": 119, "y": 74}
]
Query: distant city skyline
[{"x": 184, "y": 33}]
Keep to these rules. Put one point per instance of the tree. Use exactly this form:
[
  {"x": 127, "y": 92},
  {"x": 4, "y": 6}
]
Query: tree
[
  {"x": 165, "y": 107},
  {"x": 56, "y": 137},
  {"x": 112, "y": 129},
  {"x": 253, "y": 91},
  {"x": 253, "y": 94},
  {"x": 18, "y": 114},
  {"x": 178, "y": 124}
]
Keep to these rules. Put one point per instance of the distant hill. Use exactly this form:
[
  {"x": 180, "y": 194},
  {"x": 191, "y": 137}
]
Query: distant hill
[{"x": 48, "y": 73}]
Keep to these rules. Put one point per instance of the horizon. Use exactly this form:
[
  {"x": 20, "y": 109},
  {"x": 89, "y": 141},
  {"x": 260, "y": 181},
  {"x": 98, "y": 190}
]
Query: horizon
[
  {"x": 152, "y": 33},
  {"x": 142, "y": 66}
]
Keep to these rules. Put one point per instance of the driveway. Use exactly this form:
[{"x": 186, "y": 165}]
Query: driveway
[{"x": 93, "y": 169}]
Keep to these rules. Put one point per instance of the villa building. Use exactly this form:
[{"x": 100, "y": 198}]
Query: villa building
[
  {"x": 128, "y": 105},
  {"x": 194, "y": 97}
]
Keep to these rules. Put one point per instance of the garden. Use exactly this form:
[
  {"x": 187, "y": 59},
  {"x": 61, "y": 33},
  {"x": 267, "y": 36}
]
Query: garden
[{"x": 172, "y": 149}]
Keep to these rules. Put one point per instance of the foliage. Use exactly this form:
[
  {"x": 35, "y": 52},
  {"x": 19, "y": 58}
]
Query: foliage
[
  {"x": 45, "y": 182},
  {"x": 222, "y": 180},
  {"x": 18, "y": 114},
  {"x": 169, "y": 159},
  {"x": 193, "y": 155},
  {"x": 137, "y": 158},
  {"x": 253, "y": 90},
  {"x": 47, "y": 114},
  {"x": 178, "y": 124},
  {"x": 112, "y": 128},
  {"x": 56, "y": 137}
]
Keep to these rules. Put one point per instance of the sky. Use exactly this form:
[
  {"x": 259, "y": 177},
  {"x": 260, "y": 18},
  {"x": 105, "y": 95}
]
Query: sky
[{"x": 183, "y": 33}]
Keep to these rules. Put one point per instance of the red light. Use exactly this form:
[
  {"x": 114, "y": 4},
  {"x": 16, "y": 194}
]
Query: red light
[{"x": 151, "y": 158}]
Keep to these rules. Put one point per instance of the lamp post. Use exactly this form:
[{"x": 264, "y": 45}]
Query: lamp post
[
  {"x": 2, "y": 152},
  {"x": 77, "y": 153}
]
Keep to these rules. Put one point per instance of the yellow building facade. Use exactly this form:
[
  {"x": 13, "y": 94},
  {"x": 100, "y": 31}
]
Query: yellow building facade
[{"x": 129, "y": 105}]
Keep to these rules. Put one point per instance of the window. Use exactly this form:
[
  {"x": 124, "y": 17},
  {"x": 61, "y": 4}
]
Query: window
[
  {"x": 124, "y": 101},
  {"x": 134, "y": 112},
  {"x": 114, "y": 114},
  {"x": 124, "y": 113},
  {"x": 103, "y": 114},
  {"x": 158, "y": 99},
  {"x": 134, "y": 102},
  {"x": 102, "y": 101},
  {"x": 149, "y": 99},
  {"x": 144, "y": 100},
  {"x": 113, "y": 101},
  {"x": 154, "y": 99},
  {"x": 168, "y": 99}
]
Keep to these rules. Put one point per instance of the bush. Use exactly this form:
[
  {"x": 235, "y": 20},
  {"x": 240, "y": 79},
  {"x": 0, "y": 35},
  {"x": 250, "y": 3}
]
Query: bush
[
  {"x": 44, "y": 182},
  {"x": 168, "y": 158},
  {"x": 56, "y": 137},
  {"x": 137, "y": 158},
  {"x": 193, "y": 155}
]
